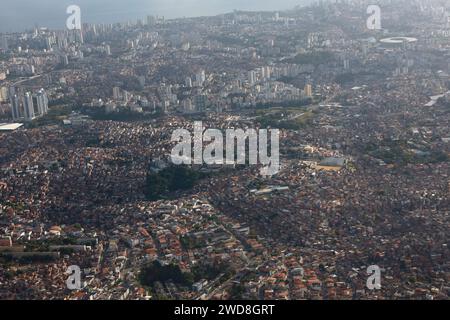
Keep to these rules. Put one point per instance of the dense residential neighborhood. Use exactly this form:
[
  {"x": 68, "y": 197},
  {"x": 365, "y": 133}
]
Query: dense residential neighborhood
[{"x": 86, "y": 124}]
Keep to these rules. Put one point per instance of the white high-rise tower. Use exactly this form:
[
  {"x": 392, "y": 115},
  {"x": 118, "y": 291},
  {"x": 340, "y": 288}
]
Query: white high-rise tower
[
  {"x": 42, "y": 102},
  {"x": 28, "y": 106}
]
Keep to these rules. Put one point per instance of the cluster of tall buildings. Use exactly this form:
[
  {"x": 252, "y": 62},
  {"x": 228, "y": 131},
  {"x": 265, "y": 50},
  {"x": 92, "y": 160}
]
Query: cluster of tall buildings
[
  {"x": 260, "y": 74},
  {"x": 62, "y": 39},
  {"x": 121, "y": 95},
  {"x": 4, "y": 43},
  {"x": 28, "y": 106},
  {"x": 199, "y": 79}
]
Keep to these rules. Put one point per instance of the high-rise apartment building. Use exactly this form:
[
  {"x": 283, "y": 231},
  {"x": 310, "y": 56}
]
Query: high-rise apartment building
[
  {"x": 42, "y": 102},
  {"x": 15, "y": 107},
  {"x": 28, "y": 106},
  {"x": 308, "y": 90}
]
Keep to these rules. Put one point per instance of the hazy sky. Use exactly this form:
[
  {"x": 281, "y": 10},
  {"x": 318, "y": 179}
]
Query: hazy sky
[{"x": 16, "y": 15}]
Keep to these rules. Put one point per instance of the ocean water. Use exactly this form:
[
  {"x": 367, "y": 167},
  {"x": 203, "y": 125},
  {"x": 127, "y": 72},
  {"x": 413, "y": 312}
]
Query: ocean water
[{"x": 18, "y": 15}]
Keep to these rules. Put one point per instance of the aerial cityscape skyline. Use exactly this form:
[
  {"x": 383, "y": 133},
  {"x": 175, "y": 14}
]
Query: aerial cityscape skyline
[
  {"x": 249, "y": 156},
  {"x": 20, "y": 15}
]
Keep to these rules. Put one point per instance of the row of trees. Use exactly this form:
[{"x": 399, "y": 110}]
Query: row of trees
[
  {"x": 156, "y": 272},
  {"x": 173, "y": 178}
]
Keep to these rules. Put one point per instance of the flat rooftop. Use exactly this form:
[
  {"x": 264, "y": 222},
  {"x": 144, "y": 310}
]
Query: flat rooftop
[{"x": 10, "y": 126}]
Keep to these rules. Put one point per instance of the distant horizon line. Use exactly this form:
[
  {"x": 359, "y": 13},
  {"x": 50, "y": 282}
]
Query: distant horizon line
[{"x": 137, "y": 18}]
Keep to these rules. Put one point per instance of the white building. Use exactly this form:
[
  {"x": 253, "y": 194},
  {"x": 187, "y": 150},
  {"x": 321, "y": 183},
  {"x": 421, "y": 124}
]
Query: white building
[
  {"x": 42, "y": 102},
  {"x": 28, "y": 106},
  {"x": 252, "y": 77},
  {"x": 4, "y": 43},
  {"x": 15, "y": 108}
]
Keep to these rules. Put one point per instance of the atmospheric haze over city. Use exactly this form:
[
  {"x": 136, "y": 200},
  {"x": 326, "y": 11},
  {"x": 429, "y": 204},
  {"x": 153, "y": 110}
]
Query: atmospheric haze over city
[
  {"x": 22, "y": 14},
  {"x": 246, "y": 151}
]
